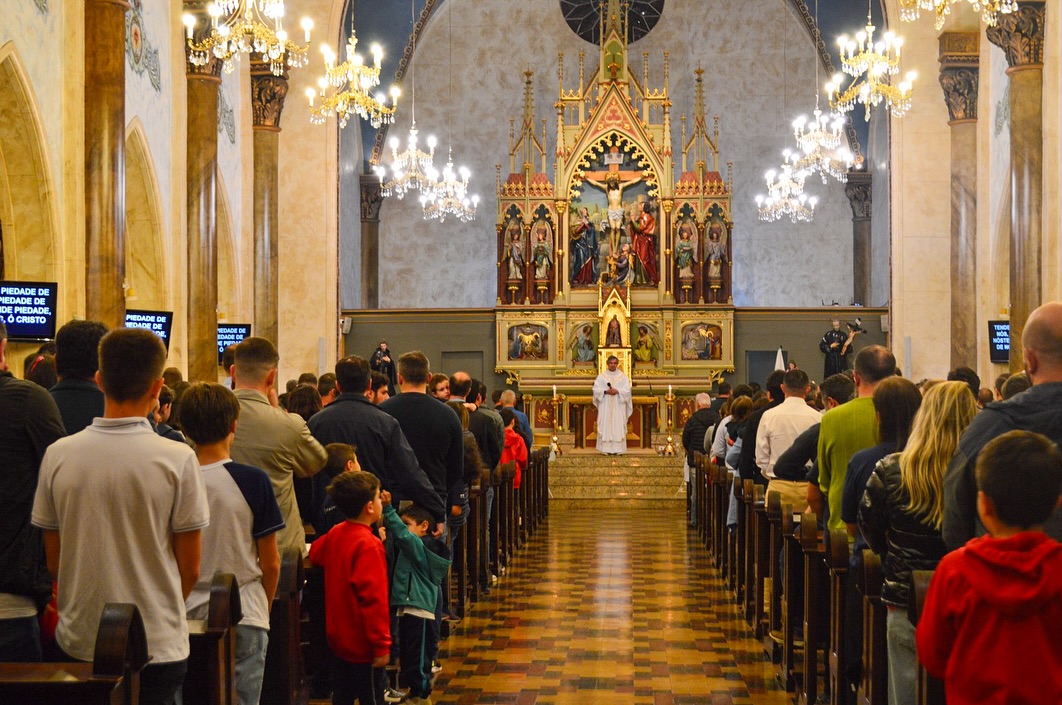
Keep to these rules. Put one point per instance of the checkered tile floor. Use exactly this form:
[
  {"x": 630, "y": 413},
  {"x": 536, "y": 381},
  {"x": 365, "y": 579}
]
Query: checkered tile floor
[{"x": 607, "y": 606}]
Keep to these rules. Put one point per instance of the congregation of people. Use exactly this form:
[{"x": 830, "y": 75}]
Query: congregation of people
[
  {"x": 943, "y": 475},
  {"x": 123, "y": 483}
]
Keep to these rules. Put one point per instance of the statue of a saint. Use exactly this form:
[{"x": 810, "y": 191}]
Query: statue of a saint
[
  {"x": 684, "y": 257},
  {"x": 645, "y": 346},
  {"x": 584, "y": 348},
  {"x": 613, "y": 189},
  {"x": 514, "y": 253},
  {"x": 583, "y": 249},
  {"x": 613, "y": 337},
  {"x": 543, "y": 252},
  {"x": 643, "y": 232},
  {"x": 715, "y": 258}
]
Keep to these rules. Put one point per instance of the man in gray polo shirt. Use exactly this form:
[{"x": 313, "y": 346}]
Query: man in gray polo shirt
[
  {"x": 127, "y": 506},
  {"x": 270, "y": 438}
]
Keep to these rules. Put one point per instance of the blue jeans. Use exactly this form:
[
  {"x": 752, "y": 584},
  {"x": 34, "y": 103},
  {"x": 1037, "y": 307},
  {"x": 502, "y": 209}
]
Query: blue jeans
[
  {"x": 903, "y": 661},
  {"x": 251, "y": 643},
  {"x": 20, "y": 639}
]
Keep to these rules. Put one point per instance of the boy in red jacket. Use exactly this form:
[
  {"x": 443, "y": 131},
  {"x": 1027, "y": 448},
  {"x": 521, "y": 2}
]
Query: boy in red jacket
[
  {"x": 515, "y": 448},
  {"x": 993, "y": 613},
  {"x": 356, "y": 599}
]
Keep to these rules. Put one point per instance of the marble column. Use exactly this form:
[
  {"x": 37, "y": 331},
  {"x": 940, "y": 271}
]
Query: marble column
[
  {"x": 267, "y": 102},
  {"x": 105, "y": 161},
  {"x": 1021, "y": 37},
  {"x": 202, "y": 219},
  {"x": 959, "y": 53},
  {"x": 371, "y": 201},
  {"x": 858, "y": 190}
]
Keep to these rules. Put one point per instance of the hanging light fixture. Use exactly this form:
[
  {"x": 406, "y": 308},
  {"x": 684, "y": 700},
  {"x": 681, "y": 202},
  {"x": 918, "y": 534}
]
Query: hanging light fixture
[
  {"x": 785, "y": 186},
  {"x": 353, "y": 82},
  {"x": 820, "y": 137},
  {"x": 449, "y": 193},
  {"x": 409, "y": 169},
  {"x": 871, "y": 65},
  {"x": 785, "y": 193},
  {"x": 911, "y": 10},
  {"x": 247, "y": 27}
]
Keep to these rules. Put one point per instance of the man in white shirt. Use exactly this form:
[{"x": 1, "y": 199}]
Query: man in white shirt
[
  {"x": 612, "y": 397},
  {"x": 778, "y": 429},
  {"x": 121, "y": 510}
]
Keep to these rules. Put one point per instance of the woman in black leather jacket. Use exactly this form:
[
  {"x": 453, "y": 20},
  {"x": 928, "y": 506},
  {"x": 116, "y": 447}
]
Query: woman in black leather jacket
[{"x": 902, "y": 512}]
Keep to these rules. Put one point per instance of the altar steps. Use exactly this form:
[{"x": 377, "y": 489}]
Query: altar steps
[{"x": 631, "y": 479}]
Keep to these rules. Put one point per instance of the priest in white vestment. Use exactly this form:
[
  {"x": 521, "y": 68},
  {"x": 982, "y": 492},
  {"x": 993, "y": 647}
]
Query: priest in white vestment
[{"x": 612, "y": 397}]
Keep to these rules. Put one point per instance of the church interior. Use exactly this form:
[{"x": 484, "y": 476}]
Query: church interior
[{"x": 698, "y": 188}]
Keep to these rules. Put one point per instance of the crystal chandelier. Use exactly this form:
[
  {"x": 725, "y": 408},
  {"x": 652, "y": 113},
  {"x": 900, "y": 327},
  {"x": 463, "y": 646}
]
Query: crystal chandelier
[
  {"x": 785, "y": 193},
  {"x": 449, "y": 197},
  {"x": 353, "y": 81},
  {"x": 871, "y": 65},
  {"x": 409, "y": 170},
  {"x": 833, "y": 163},
  {"x": 247, "y": 27},
  {"x": 910, "y": 10}
]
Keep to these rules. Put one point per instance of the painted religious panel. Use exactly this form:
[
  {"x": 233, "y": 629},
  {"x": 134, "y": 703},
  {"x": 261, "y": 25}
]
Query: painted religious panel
[
  {"x": 528, "y": 342},
  {"x": 646, "y": 347},
  {"x": 583, "y": 346},
  {"x": 702, "y": 341}
]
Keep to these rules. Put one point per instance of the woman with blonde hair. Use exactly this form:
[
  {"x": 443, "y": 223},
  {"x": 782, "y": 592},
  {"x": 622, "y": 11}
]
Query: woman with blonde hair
[{"x": 902, "y": 513}]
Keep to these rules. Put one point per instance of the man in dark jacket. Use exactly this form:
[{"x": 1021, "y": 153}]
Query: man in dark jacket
[
  {"x": 1036, "y": 409},
  {"x": 381, "y": 446},
  {"x": 697, "y": 425},
  {"x": 747, "y": 468},
  {"x": 29, "y": 423},
  {"x": 76, "y": 394}
]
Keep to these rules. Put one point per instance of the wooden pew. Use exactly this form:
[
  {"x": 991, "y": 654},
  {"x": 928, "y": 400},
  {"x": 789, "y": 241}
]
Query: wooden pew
[
  {"x": 772, "y": 637},
  {"x": 212, "y": 659},
  {"x": 705, "y": 506},
  {"x": 748, "y": 508},
  {"x": 837, "y": 563},
  {"x": 816, "y": 607},
  {"x": 113, "y": 678},
  {"x": 930, "y": 690},
  {"x": 739, "y": 550},
  {"x": 873, "y": 689},
  {"x": 718, "y": 480},
  {"x": 474, "y": 538},
  {"x": 761, "y": 559},
  {"x": 284, "y": 667},
  {"x": 792, "y": 601}
]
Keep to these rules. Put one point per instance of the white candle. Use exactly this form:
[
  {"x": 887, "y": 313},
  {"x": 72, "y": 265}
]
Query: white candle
[
  {"x": 669, "y": 390},
  {"x": 554, "y": 391}
]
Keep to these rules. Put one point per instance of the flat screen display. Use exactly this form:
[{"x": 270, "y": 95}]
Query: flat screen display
[
  {"x": 158, "y": 322},
  {"x": 28, "y": 310},
  {"x": 999, "y": 341},
  {"x": 231, "y": 334}
]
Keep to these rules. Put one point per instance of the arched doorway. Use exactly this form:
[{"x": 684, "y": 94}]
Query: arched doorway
[
  {"x": 228, "y": 256},
  {"x": 145, "y": 264}
]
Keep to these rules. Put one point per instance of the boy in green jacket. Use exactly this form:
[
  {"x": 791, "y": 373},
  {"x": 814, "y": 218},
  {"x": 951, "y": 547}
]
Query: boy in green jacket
[{"x": 418, "y": 564}]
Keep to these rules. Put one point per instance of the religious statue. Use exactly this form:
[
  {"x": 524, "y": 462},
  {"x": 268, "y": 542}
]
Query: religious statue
[
  {"x": 645, "y": 349},
  {"x": 583, "y": 349},
  {"x": 613, "y": 189},
  {"x": 543, "y": 252},
  {"x": 583, "y": 249},
  {"x": 643, "y": 231},
  {"x": 623, "y": 266},
  {"x": 685, "y": 255},
  {"x": 715, "y": 258},
  {"x": 613, "y": 337},
  {"x": 515, "y": 252}
]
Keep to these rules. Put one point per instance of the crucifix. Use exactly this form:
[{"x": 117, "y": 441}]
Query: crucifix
[{"x": 612, "y": 182}]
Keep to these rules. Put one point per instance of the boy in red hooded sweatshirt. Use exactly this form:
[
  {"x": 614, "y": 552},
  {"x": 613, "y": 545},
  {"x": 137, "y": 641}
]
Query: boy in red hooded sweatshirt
[
  {"x": 515, "y": 448},
  {"x": 993, "y": 613}
]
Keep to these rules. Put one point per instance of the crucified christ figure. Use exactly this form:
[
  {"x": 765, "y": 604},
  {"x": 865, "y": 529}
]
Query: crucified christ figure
[{"x": 613, "y": 188}]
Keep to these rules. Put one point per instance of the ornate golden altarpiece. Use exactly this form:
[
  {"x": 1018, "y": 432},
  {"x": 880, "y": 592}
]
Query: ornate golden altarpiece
[{"x": 613, "y": 233}]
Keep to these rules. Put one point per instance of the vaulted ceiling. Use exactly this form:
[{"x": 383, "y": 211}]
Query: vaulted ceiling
[{"x": 390, "y": 23}]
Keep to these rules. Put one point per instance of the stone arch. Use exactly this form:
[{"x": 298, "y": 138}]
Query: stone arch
[
  {"x": 145, "y": 262},
  {"x": 29, "y": 236},
  {"x": 228, "y": 257}
]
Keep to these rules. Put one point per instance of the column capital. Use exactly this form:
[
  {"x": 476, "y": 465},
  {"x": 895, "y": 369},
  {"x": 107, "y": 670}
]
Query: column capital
[
  {"x": 1020, "y": 34},
  {"x": 267, "y": 97},
  {"x": 959, "y": 74},
  {"x": 859, "y": 193},
  {"x": 371, "y": 197}
]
